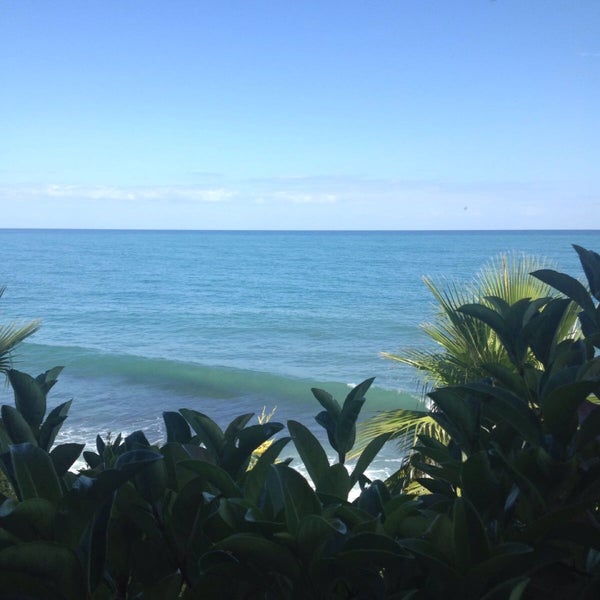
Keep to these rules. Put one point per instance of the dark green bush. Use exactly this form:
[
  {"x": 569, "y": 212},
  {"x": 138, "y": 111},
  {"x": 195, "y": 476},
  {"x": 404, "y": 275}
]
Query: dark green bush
[{"x": 512, "y": 511}]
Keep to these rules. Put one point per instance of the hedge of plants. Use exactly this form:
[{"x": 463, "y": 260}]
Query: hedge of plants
[{"x": 511, "y": 509}]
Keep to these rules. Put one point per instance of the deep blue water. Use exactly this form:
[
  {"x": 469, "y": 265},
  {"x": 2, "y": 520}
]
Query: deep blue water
[{"x": 226, "y": 322}]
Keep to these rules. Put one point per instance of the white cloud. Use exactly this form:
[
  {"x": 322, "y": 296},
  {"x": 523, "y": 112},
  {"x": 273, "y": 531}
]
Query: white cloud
[
  {"x": 131, "y": 193},
  {"x": 306, "y": 198}
]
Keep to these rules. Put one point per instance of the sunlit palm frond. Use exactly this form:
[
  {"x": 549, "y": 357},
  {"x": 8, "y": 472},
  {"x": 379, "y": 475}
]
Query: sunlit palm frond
[
  {"x": 463, "y": 344},
  {"x": 403, "y": 425},
  {"x": 10, "y": 336}
]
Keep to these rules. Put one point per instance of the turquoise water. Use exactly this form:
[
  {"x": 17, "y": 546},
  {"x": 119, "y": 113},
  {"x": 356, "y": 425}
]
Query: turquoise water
[{"x": 229, "y": 322}]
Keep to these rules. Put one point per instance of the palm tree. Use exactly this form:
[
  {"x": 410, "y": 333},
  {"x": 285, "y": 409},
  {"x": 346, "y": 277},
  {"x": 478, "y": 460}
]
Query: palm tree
[
  {"x": 11, "y": 335},
  {"x": 463, "y": 344}
]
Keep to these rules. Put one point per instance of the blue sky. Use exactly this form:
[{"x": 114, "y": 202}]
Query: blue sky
[{"x": 250, "y": 114}]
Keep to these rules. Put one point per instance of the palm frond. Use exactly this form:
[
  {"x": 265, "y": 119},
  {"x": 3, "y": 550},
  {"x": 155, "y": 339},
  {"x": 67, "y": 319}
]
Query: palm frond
[
  {"x": 403, "y": 425},
  {"x": 10, "y": 336},
  {"x": 463, "y": 344}
]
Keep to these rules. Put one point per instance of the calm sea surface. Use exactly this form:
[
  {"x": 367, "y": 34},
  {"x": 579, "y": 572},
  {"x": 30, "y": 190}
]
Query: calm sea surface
[{"x": 229, "y": 322}]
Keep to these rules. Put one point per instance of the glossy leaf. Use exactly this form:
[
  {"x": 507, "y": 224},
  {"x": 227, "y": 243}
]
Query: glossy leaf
[
  {"x": 30, "y": 399},
  {"x": 64, "y": 456},
  {"x": 560, "y": 407},
  {"x": 254, "y": 479},
  {"x": 327, "y": 401},
  {"x": 566, "y": 284},
  {"x": 16, "y": 426},
  {"x": 34, "y": 473},
  {"x": 261, "y": 552},
  {"x": 590, "y": 261},
  {"x": 368, "y": 455},
  {"x": 335, "y": 482},
  {"x": 29, "y": 519},
  {"x": 237, "y": 425},
  {"x": 345, "y": 431},
  {"x": 45, "y": 564},
  {"x": 310, "y": 450},
  {"x": 52, "y": 424},
  {"x": 209, "y": 433},
  {"x": 48, "y": 379},
  {"x": 214, "y": 475},
  {"x": 177, "y": 428},
  {"x": 328, "y": 422}
]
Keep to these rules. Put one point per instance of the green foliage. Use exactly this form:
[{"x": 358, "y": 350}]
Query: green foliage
[
  {"x": 466, "y": 346},
  {"x": 12, "y": 335},
  {"x": 510, "y": 507}
]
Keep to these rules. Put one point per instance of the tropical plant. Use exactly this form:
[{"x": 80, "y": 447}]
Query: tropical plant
[
  {"x": 12, "y": 335},
  {"x": 510, "y": 509},
  {"x": 464, "y": 345},
  {"x": 522, "y": 469}
]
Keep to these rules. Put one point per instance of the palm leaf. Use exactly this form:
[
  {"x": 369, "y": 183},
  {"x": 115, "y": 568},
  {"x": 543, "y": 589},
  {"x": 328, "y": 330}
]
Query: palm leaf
[
  {"x": 12, "y": 335},
  {"x": 463, "y": 344}
]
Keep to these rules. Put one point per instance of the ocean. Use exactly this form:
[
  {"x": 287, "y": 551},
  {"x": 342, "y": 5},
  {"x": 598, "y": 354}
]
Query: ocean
[{"x": 231, "y": 322}]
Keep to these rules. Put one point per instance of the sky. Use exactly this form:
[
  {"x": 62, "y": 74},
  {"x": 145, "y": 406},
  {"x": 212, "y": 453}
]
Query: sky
[{"x": 300, "y": 114}]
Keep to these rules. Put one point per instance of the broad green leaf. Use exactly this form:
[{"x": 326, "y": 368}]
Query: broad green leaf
[
  {"x": 459, "y": 414},
  {"x": 34, "y": 473},
  {"x": 358, "y": 391},
  {"x": 177, "y": 428},
  {"x": 93, "y": 546},
  {"x": 250, "y": 438},
  {"x": 209, "y": 433},
  {"x": 52, "y": 424},
  {"x": 236, "y": 454},
  {"x": 30, "y": 399},
  {"x": 367, "y": 456},
  {"x": 370, "y": 547},
  {"x": 64, "y": 455},
  {"x": 544, "y": 331},
  {"x": 264, "y": 554},
  {"x": 511, "y": 408},
  {"x": 345, "y": 431},
  {"x": 568, "y": 285},
  {"x": 335, "y": 482},
  {"x": 479, "y": 484},
  {"x": 374, "y": 498},
  {"x": 216, "y": 476},
  {"x": 435, "y": 560},
  {"x": 523, "y": 483},
  {"x": 327, "y": 401},
  {"x": 48, "y": 379},
  {"x": 132, "y": 461},
  {"x": 92, "y": 459},
  {"x": 310, "y": 450},
  {"x": 16, "y": 426},
  {"x": 489, "y": 316},
  {"x": 254, "y": 479},
  {"x": 560, "y": 406},
  {"x": 590, "y": 261},
  {"x": 314, "y": 531},
  {"x": 28, "y": 520},
  {"x": 290, "y": 494},
  {"x": 136, "y": 440},
  {"x": 325, "y": 419},
  {"x": 44, "y": 563},
  {"x": 151, "y": 481},
  {"x": 507, "y": 377},
  {"x": 237, "y": 425}
]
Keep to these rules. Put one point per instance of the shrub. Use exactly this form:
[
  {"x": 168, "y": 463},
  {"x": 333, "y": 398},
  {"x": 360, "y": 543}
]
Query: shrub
[{"x": 511, "y": 510}]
